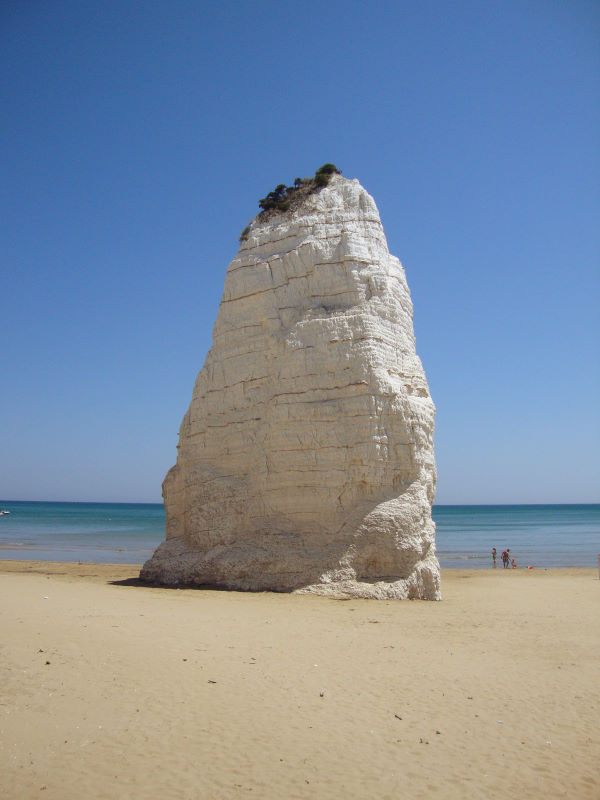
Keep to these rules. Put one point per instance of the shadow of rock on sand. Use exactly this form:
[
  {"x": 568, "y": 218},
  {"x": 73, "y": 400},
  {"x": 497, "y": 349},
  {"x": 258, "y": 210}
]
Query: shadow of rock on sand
[
  {"x": 128, "y": 582},
  {"x": 205, "y": 587}
]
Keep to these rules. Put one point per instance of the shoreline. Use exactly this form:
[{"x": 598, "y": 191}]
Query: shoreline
[
  {"x": 117, "y": 689},
  {"x": 21, "y": 565}
]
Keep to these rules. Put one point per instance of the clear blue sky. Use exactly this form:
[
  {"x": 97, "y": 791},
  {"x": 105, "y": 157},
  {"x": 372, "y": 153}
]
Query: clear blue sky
[{"x": 136, "y": 138}]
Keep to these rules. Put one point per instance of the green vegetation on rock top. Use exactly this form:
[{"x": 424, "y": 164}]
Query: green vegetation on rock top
[{"x": 283, "y": 197}]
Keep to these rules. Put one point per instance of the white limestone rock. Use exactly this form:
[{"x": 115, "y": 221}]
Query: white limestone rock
[{"x": 306, "y": 456}]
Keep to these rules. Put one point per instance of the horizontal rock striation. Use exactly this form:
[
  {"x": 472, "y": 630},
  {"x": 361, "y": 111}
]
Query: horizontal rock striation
[{"x": 306, "y": 457}]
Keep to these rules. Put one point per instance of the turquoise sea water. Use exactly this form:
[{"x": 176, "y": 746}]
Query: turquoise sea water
[
  {"x": 127, "y": 533},
  {"x": 537, "y": 535}
]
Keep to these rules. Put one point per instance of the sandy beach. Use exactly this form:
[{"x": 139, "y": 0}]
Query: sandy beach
[{"x": 115, "y": 690}]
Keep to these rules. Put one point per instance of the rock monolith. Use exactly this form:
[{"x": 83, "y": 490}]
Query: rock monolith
[{"x": 306, "y": 456}]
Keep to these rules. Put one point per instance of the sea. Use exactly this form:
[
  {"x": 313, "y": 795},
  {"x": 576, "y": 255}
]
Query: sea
[{"x": 540, "y": 536}]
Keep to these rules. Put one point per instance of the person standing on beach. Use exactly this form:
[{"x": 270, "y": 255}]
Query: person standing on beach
[
  {"x": 494, "y": 556},
  {"x": 505, "y": 558}
]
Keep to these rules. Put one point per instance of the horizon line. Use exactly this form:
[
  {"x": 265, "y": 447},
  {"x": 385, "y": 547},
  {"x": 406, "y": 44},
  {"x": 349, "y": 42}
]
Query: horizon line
[{"x": 160, "y": 503}]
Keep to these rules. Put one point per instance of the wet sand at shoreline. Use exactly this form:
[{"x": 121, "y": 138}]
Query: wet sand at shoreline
[{"x": 116, "y": 690}]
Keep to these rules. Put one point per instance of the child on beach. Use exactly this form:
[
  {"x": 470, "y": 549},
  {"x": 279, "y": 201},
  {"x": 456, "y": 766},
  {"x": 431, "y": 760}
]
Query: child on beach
[
  {"x": 513, "y": 564},
  {"x": 494, "y": 557}
]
